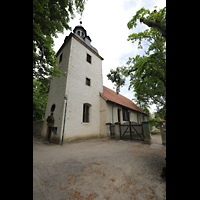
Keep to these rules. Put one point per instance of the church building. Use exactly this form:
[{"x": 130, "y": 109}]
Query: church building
[{"x": 80, "y": 104}]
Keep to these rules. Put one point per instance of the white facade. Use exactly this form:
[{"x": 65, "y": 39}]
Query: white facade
[
  {"x": 112, "y": 114},
  {"x": 109, "y": 114},
  {"x": 74, "y": 63}
]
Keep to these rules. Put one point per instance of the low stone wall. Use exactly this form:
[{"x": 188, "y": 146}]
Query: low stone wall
[{"x": 37, "y": 128}]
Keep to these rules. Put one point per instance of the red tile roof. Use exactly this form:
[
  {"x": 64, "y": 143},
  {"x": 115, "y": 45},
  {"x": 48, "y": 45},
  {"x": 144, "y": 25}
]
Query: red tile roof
[{"x": 110, "y": 95}]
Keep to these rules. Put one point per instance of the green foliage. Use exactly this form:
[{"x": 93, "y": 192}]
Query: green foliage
[
  {"x": 153, "y": 19},
  {"x": 49, "y": 18},
  {"x": 147, "y": 73},
  {"x": 139, "y": 14},
  {"x": 39, "y": 100},
  {"x": 155, "y": 132},
  {"x": 154, "y": 122},
  {"x": 161, "y": 113}
]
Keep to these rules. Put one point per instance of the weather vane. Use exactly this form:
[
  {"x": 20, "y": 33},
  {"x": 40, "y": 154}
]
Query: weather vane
[{"x": 80, "y": 21}]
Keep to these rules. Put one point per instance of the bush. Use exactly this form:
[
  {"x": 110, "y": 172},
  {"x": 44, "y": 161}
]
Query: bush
[{"x": 155, "y": 132}]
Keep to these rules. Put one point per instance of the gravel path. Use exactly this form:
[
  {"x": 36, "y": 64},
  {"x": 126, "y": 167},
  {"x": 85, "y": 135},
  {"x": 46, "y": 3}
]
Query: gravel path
[{"x": 99, "y": 169}]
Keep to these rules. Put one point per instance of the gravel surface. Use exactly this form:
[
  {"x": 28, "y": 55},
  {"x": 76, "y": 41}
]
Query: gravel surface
[{"x": 99, "y": 169}]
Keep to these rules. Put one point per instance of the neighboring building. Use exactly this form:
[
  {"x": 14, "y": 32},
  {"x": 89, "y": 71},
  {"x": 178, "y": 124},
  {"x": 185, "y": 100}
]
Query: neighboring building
[{"x": 81, "y": 105}]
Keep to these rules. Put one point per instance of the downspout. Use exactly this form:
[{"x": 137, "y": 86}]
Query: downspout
[{"x": 65, "y": 97}]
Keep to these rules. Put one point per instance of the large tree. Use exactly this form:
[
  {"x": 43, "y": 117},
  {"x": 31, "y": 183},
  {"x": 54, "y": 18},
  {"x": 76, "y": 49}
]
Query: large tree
[
  {"x": 147, "y": 73},
  {"x": 49, "y": 18},
  {"x": 39, "y": 100}
]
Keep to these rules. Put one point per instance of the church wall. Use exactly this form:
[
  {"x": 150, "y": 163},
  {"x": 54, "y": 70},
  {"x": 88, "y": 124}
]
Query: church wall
[
  {"x": 133, "y": 116},
  {"x": 56, "y": 96},
  {"x": 79, "y": 93},
  {"x": 112, "y": 113},
  {"x": 103, "y": 117}
]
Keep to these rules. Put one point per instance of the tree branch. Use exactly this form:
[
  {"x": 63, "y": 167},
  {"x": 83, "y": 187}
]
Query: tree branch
[
  {"x": 156, "y": 25},
  {"x": 156, "y": 99},
  {"x": 158, "y": 42}
]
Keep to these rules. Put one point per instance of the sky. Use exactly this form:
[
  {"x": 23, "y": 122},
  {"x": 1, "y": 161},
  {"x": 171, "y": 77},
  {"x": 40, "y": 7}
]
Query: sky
[{"x": 106, "y": 23}]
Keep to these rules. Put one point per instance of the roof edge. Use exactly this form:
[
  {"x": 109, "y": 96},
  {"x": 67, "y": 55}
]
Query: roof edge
[
  {"x": 128, "y": 107},
  {"x": 121, "y": 104},
  {"x": 103, "y": 96},
  {"x": 87, "y": 46},
  {"x": 74, "y": 36}
]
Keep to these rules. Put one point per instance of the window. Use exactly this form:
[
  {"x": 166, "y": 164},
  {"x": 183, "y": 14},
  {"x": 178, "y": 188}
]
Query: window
[
  {"x": 89, "y": 58},
  {"x": 125, "y": 114},
  {"x": 86, "y": 109},
  {"x": 53, "y": 107},
  {"x": 87, "y": 81},
  {"x": 60, "y": 58}
]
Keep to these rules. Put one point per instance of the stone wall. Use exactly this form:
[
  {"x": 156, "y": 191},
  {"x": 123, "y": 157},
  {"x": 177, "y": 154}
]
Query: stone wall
[{"x": 37, "y": 128}]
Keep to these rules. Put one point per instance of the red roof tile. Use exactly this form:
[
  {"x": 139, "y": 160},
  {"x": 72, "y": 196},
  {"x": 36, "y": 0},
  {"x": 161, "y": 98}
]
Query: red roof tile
[{"x": 110, "y": 95}]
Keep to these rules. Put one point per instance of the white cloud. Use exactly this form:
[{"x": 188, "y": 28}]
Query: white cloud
[{"x": 106, "y": 23}]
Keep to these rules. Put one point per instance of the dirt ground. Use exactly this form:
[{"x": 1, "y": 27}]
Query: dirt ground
[{"x": 99, "y": 169}]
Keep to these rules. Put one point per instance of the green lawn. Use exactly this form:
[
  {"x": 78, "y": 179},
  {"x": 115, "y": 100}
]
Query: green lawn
[{"x": 155, "y": 132}]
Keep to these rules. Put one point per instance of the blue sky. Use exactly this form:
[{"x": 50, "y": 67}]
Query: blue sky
[{"x": 106, "y": 24}]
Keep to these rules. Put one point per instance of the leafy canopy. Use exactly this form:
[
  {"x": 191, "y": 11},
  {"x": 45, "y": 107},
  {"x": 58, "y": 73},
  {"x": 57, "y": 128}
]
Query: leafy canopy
[
  {"x": 147, "y": 73},
  {"x": 49, "y": 18},
  {"x": 39, "y": 100}
]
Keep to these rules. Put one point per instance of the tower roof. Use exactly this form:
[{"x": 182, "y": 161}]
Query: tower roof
[
  {"x": 80, "y": 34},
  {"x": 80, "y": 28},
  {"x": 82, "y": 41}
]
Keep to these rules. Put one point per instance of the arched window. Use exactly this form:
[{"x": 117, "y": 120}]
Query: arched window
[
  {"x": 86, "y": 112},
  {"x": 53, "y": 107}
]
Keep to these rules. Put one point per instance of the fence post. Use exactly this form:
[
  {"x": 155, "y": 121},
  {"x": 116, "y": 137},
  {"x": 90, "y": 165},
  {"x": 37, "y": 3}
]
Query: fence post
[
  {"x": 130, "y": 130},
  {"x": 146, "y": 132},
  {"x": 117, "y": 130},
  {"x": 163, "y": 131}
]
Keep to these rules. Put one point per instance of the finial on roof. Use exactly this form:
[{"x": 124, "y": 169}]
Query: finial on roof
[{"x": 80, "y": 21}]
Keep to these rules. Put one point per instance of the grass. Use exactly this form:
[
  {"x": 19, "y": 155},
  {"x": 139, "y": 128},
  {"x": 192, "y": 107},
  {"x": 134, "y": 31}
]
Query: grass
[{"x": 155, "y": 132}]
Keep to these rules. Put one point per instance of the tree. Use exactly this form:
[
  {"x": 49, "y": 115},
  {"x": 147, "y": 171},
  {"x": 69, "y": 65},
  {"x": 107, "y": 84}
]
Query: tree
[
  {"x": 39, "y": 100},
  {"x": 157, "y": 20},
  {"x": 49, "y": 18},
  {"x": 147, "y": 73}
]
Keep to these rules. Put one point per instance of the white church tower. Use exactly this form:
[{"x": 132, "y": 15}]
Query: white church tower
[{"x": 74, "y": 99}]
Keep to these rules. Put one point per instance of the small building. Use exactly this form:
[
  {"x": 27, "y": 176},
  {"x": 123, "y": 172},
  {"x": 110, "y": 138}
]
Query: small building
[
  {"x": 80, "y": 104},
  {"x": 117, "y": 108}
]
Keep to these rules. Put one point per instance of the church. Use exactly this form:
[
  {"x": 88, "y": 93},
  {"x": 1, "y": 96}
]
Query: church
[{"x": 80, "y": 104}]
